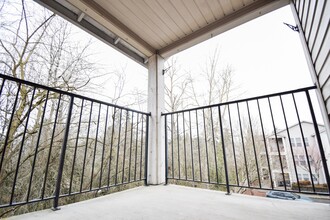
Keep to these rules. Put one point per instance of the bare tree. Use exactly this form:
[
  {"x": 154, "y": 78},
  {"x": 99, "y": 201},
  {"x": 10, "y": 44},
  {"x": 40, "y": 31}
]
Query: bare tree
[
  {"x": 177, "y": 83},
  {"x": 218, "y": 84}
]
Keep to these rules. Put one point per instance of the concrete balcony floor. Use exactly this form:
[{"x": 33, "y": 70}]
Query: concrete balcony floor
[{"x": 178, "y": 202}]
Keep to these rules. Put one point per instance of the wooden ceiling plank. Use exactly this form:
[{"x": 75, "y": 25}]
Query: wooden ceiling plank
[
  {"x": 227, "y": 8},
  {"x": 216, "y": 9},
  {"x": 186, "y": 15},
  {"x": 247, "y": 2},
  {"x": 222, "y": 9},
  {"x": 205, "y": 10},
  {"x": 237, "y": 4},
  {"x": 165, "y": 18},
  {"x": 146, "y": 24},
  {"x": 195, "y": 12},
  {"x": 175, "y": 16},
  {"x": 231, "y": 3},
  {"x": 121, "y": 12},
  {"x": 153, "y": 15}
]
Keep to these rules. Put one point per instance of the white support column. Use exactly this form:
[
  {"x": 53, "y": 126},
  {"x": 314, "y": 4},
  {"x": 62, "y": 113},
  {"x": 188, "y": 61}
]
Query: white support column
[{"x": 156, "y": 142}]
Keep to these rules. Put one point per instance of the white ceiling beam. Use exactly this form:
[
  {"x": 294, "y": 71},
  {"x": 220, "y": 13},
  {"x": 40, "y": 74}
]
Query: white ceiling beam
[
  {"x": 71, "y": 13},
  {"x": 99, "y": 14}
]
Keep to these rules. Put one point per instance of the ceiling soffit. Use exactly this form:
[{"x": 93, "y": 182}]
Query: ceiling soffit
[{"x": 141, "y": 28}]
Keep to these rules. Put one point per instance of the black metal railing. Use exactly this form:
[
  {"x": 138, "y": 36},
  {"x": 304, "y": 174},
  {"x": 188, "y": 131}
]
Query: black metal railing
[
  {"x": 239, "y": 144},
  {"x": 55, "y": 144}
]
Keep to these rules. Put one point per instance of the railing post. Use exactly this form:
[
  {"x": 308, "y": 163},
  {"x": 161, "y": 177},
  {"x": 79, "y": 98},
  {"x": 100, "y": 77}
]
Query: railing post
[
  {"x": 319, "y": 141},
  {"x": 224, "y": 152},
  {"x": 62, "y": 156},
  {"x": 146, "y": 152},
  {"x": 166, "y": 152}
]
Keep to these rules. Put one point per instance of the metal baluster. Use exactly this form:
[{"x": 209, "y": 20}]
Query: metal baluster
[
  {"x": 253, "y": 143},
  {"x": 303, "y": 139},
  {"x": 178, "y": 140},
  {"x": 86, "y": 146},
  {"x": 214, "y": 147},
  {"x": 207, "y": 154},
  {"x": 184, "y": 145},
  {"x": 166, "y": 151},
  {"x": 124, "y": 156},
  {"x": 244, "y": 154},
  {"x": 76, "y": 146},
  {"x": 172, "y": 140},
  {"x": 22, "y": 145},
  {"x": 118, "y": 146},
  {"x": 224, "y": 152},
  {"x": 278, "y": 148},
  {"x": 50, "y": 147},
  {"x": 233, "y": 144},
  {"x": 265, "y": 144},
  {"x": 2, "y": 84},
  {"x": 62, "y": 156},
  {"x": 289, "y": 139},
  {"x": 95, "y": 146},
  {"x": 141, "y": 148},
  {"x": 136, "y": 145},
  {"x": 191, "y": 149},
  {"x": 199, "y": 152},
  {"x": 103, "y": 147},
  {"x": 130, "y": 149},
  {"x": 319, "y": 141},
  {"x": 111, "y": 144},
  {"x": 146, "y": 152},
  {"x": 37, "y": 146}
]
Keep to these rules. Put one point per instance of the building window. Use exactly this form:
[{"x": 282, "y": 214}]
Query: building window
[
  {"x": 298, "y": 142},
  {"x": 299, "y": 177},
  {"x": 310, "y": 158},
  {"x": 302, "y": 160},
  {"x": 306, "y": 142},
  {"x": 293, "y": 143},
  {"x": 306, "y": 176},
  {"x": 314, "y": 177}
]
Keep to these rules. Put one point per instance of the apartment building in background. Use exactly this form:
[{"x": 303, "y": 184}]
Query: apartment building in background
[{"x": 300, "y": 156}]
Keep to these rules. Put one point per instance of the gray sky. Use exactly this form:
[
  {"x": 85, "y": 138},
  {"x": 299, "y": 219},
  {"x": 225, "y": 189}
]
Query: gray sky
[{"x": 265, "y": 54}]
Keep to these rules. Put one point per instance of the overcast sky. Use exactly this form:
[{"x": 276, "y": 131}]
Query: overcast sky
[{"x": 265, "y": 54}]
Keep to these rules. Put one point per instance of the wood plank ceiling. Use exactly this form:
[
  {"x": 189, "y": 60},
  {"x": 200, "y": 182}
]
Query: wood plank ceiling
[{"x": 141, "y": 28}]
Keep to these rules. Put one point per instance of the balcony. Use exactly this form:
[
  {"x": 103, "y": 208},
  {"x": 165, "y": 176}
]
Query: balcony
[
  {"x": 178, "y": 202},
  {"x": 58, "y": 148},
  {"x": 65, "y": 146}
]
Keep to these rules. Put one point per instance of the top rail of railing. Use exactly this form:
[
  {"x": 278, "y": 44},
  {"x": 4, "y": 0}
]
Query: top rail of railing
[
  {"x": 243, "y": 100},
  {"x": 6, "y": 77}
]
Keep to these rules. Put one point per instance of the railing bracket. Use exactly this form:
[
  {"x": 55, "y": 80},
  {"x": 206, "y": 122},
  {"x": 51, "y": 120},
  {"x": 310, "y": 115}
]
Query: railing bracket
[{"x": 294, "y": 28}]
